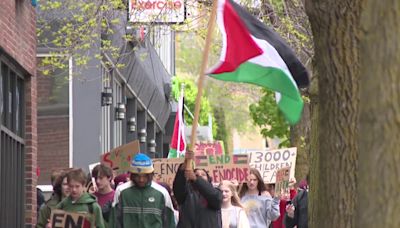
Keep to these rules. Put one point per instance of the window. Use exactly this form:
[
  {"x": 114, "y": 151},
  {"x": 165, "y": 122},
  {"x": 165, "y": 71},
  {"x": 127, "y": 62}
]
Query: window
[
  {"x": 12, "y": 87},
  {"x": 12, "y": 144}
]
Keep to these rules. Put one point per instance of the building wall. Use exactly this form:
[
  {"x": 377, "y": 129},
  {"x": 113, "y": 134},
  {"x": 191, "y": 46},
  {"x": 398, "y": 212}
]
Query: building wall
[
  {"x": 53, "y": 145},
  {"x": 53, "y": 129},
  {"x": 248, "y": 141},
  {"x": 18, "y": 39},
  {"x": 86, "y": 115},
  {"x": 18, "y": 32},
  {"x": 251, "y": 141}
]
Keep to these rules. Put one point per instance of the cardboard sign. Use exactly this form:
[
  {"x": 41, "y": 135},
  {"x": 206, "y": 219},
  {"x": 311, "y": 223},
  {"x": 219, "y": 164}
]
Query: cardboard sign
[
  {"x": 165, "y": 169},
  {"x": 91, "y": 166},
  {"x": 209, "y": 148},
  {"x": 282, "y": 181},
  {"x": 268, "y": 162},
  {"x": 120, "y": 158},
  {"x": 219, "y": 167},
  {"x": 63, "y": 219}
]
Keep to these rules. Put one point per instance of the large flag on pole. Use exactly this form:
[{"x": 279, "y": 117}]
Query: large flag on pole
[
  {"x": 253, "y": 53},
  {"x": 178, "y": 144}
]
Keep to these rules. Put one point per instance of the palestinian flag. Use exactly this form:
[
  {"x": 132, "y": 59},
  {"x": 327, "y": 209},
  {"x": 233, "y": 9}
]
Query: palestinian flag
[
  {"x": 178, "y": 144},
  {"x": 253, "y": 53}
]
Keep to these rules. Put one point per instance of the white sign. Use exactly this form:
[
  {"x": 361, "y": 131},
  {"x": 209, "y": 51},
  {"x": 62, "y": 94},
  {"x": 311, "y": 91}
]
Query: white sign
[
  {"x": 268, "y": 162},
  {"x": 157, "y": 11}
]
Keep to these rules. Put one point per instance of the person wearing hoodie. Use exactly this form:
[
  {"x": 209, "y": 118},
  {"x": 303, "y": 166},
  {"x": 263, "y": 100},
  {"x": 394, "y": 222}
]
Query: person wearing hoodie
[
  {"x": 199, "y": 202},
  {"x": 80, "y": 201},
  {"x": 60, "y": 191},
  {"x": 142, "y": 202}
]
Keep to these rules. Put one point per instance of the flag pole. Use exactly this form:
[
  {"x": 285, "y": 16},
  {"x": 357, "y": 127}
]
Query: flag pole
[{"x": 190, "y": 154}]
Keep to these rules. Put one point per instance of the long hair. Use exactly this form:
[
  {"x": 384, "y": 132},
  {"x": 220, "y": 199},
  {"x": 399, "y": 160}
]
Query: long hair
[
  {"x": 260, "y": 185},
  {"x": 235, "y": 200},
  {"x": 58, "y": 181}
]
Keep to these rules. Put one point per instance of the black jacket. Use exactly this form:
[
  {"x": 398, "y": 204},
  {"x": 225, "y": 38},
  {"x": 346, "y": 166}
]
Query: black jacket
[
  {"x": 300, "y": 203},
  {"x": 199, "y": 203}
]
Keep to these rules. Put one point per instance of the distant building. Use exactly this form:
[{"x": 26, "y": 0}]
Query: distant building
[{"x": 252, "y": 141}]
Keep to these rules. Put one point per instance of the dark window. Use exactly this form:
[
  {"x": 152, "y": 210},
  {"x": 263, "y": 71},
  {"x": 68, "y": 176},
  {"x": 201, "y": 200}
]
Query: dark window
[{"x": 12, "y": 145}]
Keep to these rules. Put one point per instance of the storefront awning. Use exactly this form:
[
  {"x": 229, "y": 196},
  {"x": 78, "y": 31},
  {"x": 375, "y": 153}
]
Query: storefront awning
[{"x": 147, "y": 76}]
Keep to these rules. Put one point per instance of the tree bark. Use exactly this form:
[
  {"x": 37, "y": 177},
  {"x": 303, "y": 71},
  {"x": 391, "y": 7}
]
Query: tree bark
[
  {"x": 335, "y": 27},
  {"x": 300, "y": 137},
  {"x": 379, "y": 156}
]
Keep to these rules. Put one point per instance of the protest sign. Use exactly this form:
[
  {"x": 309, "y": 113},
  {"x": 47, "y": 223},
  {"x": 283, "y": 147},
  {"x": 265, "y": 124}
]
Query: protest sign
[
  {"x": 219, "y": 167},
  {"x": 209, "y": 148},
  {"x": 120, "y": 158},
  {"x": 63, "y": 219},
  {"x": 268, "y": 162},
  {"x": 282, "y": 181},
  {"x": 91, "y": 166},
  {"x": 224, "y": 166},
  {"x": 165, "y": 169}
]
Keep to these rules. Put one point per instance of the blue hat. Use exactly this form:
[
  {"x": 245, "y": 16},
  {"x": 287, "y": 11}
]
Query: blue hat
[{"x": 142, "y": 164}]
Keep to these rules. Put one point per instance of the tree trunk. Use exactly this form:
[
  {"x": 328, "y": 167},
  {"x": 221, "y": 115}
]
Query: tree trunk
[
  {"x": 379, "y": 142},
  {"x": 300, "y": 137},
  {"x": 335, "y": 27}
]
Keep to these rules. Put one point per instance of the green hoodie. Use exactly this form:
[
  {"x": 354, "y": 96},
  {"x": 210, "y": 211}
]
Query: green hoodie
[
  {"x": 45, "y": 211},
  {"x": 82, "y": 205}
]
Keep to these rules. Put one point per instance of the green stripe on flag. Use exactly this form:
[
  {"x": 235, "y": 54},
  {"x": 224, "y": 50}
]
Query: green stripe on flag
[
  {"x": 272, "y": 78},
  {"x": 172, "y": 153}
]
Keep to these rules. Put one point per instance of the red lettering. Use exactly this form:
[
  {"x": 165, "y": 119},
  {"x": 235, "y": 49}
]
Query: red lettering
[
  {"x": 215, "y": 176},
  {"x": 148, "y": 5},
  {"x": 107, "y": 161}
]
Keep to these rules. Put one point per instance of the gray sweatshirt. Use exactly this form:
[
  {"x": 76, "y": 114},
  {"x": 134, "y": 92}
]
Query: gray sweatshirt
[{"x": 261, "y": 210}]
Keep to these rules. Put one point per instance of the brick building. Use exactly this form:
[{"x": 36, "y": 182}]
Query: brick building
[{"x": 18, "y": 141}]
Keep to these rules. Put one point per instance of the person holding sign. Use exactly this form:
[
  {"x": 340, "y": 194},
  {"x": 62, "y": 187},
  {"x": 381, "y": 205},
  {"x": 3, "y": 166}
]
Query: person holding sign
[
  {"x": 199, "y": 202},
  {"x": 261, "y": 207},
  {"x": 80, "y": 201},
  {"x": 296, "y": 213},
  {"x": 60, "y": 191},
  {"x": 142, "y": 202},
  {"x": 233, "y": 214}
]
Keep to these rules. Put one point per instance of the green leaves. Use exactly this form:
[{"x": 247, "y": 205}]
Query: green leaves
[
  {"x": 190, "y": 93},
  {"x": 72, "y": 28},
  {"x": 266, "y": 114}
]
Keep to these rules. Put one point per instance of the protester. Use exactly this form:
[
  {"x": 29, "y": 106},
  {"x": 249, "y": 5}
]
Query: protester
[
  {"x": 199, "y": 202},
  {"x": 105, "y": 193},
  {"x": 261, "y": 207},
  {"x": 285, "y": 199},
  {"x": 60, "y": 191},
  {"x": 142, "y": 202},
  {"x": 297, "y": 212},
  {"x": 233, "y": 214},
  {"x": 120, "y": 179},
  {"x": 80, "y": 201},
  {"x": 174, "y": 203}
]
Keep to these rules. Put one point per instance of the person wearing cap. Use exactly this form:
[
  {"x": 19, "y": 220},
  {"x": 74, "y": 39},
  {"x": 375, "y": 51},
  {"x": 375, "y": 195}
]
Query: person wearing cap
[{"x": 141, "y": 202}]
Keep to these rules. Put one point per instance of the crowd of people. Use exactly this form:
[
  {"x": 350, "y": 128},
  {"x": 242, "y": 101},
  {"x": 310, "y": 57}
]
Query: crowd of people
[{"x": 136, "y": 200}]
